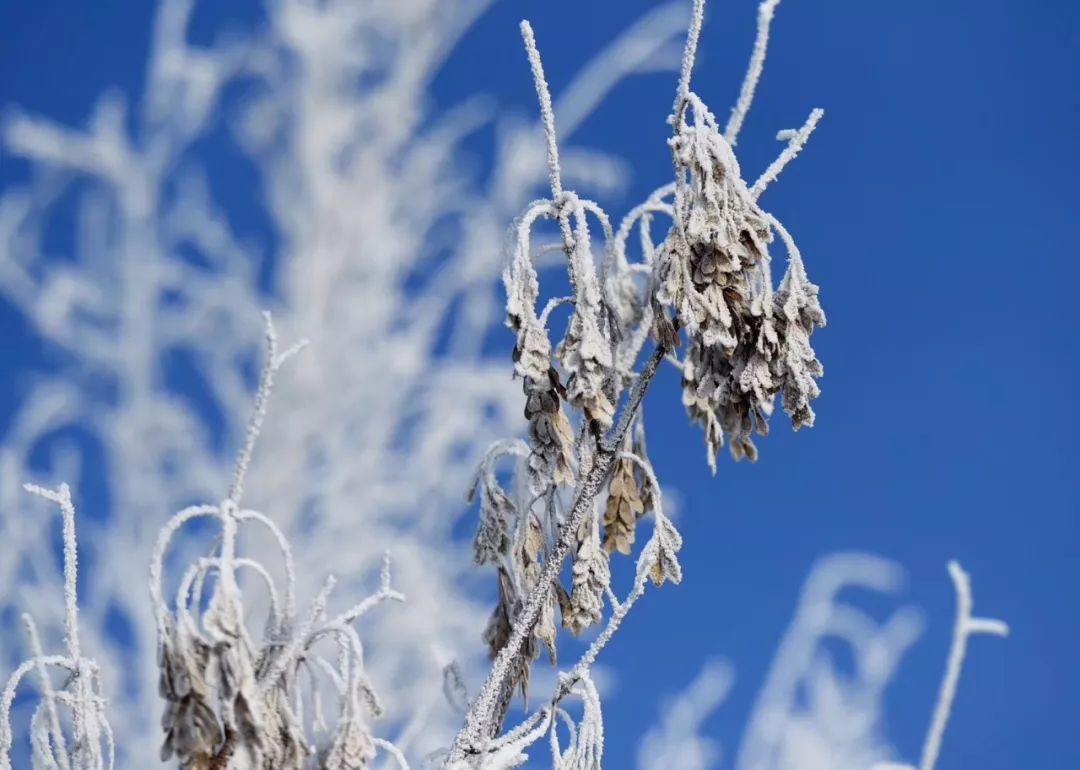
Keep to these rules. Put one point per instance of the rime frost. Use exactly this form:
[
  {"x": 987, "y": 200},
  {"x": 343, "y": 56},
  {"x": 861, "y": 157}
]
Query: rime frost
[
  {"x": 372, "y": 441},
  {"x": 360, "y": 183}
]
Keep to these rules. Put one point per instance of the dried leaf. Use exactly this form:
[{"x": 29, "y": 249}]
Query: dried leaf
[
  {"x": 590, "y": 575},
  {"x": 624, "y": 507},
  {"x": 661, "y": 556}
]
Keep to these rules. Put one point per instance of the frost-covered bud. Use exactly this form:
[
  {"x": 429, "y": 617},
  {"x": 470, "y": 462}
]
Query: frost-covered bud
[
  {"x": 497, "y": 633},
  {"x": 532, "y": 353},
  {"x": 719, "y": 239},
  {"x": 718, "y": 392},
  {"x": 533, "y": 546},
  {"x": 549, "y": 429},
  {"x": 232, "y": 670},
  {"x": 626, "y": 302},
  {"x": 281, "y": 742},
  {"x": 746, "y": 345}
]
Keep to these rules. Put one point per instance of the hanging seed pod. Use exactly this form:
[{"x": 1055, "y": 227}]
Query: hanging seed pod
[
  {"x": 662, "y": 561},
  {"x": 586, "y": 355},
  {"x": 624, "y": 507},
  {"x": 192, "y": 731},
  {"x": 492, "y": 538},
  {"x": 796, "y": 304},
  {"x": 584, "y": 605}
]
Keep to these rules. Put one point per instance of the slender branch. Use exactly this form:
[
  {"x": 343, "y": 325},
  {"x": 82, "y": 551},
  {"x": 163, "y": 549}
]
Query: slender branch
[
  {"x": 48, "y": 694},
  {"x": 965, "y": 626},
  {"x": 753, "y": 72},
  {"x": 689, "y": 54},
  {"x": 273, "y": 363},
  {"x": 479, "y": 721},
  {"x": 547, "y": 114},
  {"x": 637, "y": 393},
  {"x": 62, "y": 497},
  {"x": 547, "y": 118},
  {"x": 796, "y": 141}
]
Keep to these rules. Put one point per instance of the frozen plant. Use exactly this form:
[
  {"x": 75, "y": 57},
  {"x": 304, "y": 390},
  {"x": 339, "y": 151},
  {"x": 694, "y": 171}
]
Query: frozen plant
[
  {"x": 812, "y": 712},
  {"x": 231, "y": 701},
  {"x": 140, "y": 270},
  {"x": 966, "y": 626},
  {"x": 88, "y": 744},
  {"x": 582, "y": 481},
  {"x": 584, "y": 467}
]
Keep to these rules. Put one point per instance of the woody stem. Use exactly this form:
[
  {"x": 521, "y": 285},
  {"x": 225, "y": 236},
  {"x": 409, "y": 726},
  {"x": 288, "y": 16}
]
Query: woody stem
[{"x": 483, "y": 719}]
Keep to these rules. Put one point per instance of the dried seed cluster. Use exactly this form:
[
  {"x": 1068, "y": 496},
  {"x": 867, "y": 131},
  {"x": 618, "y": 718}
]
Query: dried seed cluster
[
  {"x": 747, "y": 344},
  {"x": 583, "y": 605},
  {"x": 629, "y": 499},
  {"x": 232, "y": 701}
]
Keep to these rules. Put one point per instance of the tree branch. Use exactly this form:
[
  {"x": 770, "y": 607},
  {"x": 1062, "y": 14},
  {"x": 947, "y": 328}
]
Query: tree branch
[{"x": 482, "y": 720}]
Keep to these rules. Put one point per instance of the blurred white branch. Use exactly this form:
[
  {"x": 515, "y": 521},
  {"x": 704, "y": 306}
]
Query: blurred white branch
[
  {"x": 677, "y": 739},
  {"x": 966, "y": 625}
]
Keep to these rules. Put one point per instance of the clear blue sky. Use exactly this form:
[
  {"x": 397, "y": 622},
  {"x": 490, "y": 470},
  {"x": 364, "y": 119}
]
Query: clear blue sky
[{"x": 936, "y": 207}]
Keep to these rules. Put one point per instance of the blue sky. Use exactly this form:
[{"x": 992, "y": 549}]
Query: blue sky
[{"x": 935, "y": 206}]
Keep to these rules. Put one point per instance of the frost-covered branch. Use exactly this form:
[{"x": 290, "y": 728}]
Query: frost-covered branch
[
  {"x": 966, "y": 626},
  {"x": 91, "y": 744},
  {"x": 709, "y": 281},
  {"x": 810, "y": 712},
  {"x": 383, "y": 255},
  {"x": 233, "y": 702},
  {"x": 675, "y": 740}
]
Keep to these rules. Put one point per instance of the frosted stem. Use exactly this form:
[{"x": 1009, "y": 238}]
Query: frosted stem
[
  {"x": 689, "y": 54},
  {"x": 753, "y": 72},
  {"x": 62, "y": 497},
  {"x": 796, "y": 141},
  {"x": 48, "y": 694},
  {"x": 481, "y": 721},
  {"x": 965, "y": 626},
  {"x": 547, "y": 118},
  {"x": 274, "y": 361},
  {"x": 547, "y": 114}
]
